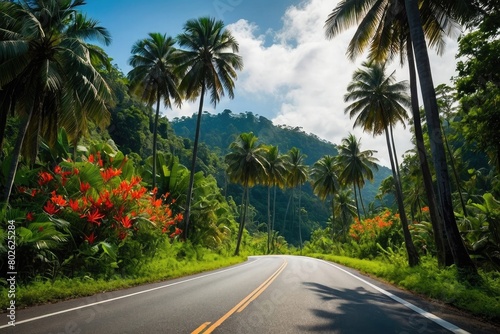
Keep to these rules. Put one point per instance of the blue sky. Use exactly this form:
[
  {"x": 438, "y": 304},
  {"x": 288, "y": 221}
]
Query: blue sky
[{"x": 292, "y": 74}]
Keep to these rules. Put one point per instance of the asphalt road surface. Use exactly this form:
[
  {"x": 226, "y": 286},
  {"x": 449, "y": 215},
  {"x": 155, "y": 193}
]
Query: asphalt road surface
[{"x": 267, "y": 294}]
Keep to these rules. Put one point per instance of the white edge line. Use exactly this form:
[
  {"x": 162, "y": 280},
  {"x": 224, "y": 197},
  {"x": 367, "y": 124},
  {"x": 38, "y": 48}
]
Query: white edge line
[
  {"x": 443, "y": 323},
  {"x": 125, "y": 296}
]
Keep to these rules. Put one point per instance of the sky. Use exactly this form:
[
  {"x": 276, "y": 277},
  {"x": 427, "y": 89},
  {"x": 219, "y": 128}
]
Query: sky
[{"x": 292, "y": 74}]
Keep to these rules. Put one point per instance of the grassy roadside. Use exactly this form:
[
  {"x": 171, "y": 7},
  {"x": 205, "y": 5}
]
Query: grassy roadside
[
  {"x": 438, "y": 284},
  {"x": 161, "y": 268}
]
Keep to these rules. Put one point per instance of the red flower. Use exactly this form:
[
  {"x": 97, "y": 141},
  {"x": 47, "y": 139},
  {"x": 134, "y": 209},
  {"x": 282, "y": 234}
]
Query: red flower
[
  {"x": 30, "y": 216},
  {"x": 57, "y": 169},
  {"x": 44, "y": 178},
  {"x": 126, "y": 222},
  {"x": 59, "y": 200},
  {"x": 93, "y": 217},
  {"x": 179, "y": 217},
  {"x": 76, "y": 171},
  {"x": 50, "y": 208},
  {"x": 110, "y": 173},
  {"x": 176, "y": 232},
  {"x": 135, "y": 180},
  {"x": 84, "y": 186},
  {"x": 137, "y": 194},
  {"x": 91, "y": 158},
  {"x": 74, "y": 205},
  {"x": 40, "y": 229},
  {"x": 99, "y": 160},
  {"x": 90, "y": 238}
]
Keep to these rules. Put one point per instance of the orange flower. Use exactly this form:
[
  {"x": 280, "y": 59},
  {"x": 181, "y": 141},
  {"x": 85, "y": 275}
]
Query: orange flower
[
  {"x": 50, "y": 208},
  {"x": 58, "y": 200},
  {"x": 109, "y": 173},
  {"x": 44, "y": 178},
  {"x": 176, "y": 232},
  {"x": 126, "y": 222},
  {"x": 57, "y": 169}
]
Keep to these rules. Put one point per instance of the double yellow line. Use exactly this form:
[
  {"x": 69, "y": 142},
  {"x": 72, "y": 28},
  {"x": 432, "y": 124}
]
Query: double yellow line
[{"x": 242, "y": 304}]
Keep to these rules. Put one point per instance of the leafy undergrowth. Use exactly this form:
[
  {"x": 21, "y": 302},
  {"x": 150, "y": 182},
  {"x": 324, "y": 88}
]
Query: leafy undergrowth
[
  {"x": 438, "y": 284},
  {"x": 185, "y": 260}
]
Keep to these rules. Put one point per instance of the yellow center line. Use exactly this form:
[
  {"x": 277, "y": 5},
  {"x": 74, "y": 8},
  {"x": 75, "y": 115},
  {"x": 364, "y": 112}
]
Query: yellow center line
[
  {"x": 201, "y": 328},
  {"x": 242, "y": 304}
]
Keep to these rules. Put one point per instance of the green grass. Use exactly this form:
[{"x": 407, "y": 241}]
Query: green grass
[{"x": 438, "y": 284}]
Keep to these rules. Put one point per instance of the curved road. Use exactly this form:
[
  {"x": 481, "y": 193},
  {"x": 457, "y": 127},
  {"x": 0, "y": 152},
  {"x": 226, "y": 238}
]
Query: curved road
[{"x": 267, "y": 294}]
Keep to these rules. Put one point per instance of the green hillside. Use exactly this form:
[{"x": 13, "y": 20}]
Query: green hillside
[{"x": 218, "y": 131}]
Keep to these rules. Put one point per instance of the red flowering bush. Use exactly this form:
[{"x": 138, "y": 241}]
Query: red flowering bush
[{"x": 113, "y": 219}]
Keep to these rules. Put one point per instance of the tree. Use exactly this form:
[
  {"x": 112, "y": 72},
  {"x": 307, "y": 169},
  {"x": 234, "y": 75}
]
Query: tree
[
  {"x": 384, "y": 28},
  {"x": 356, "y": 166},
  {"x": 208, "y": 65},
  {"x": 378, "y": 103},
  {"x": 246, "y": 165},
  {"x": 460, "y": 255},
  {"x": 478, "y": 86},
  {"x": 296, "y": 177},
  {"x": 345, "y": 209},
  {"x": 276, "y": 173},
  {"x": 153, "y": 78},
  {"x": 325, "y": 180},
  {"x": 47, "y": 73}
]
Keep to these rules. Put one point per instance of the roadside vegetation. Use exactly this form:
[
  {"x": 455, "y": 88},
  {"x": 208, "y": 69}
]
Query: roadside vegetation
[{"x": 95, "y": 184}]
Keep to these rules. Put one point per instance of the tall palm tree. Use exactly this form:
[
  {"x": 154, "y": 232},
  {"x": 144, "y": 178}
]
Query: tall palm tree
[
  {"x": 276, "y": 173},
  {"x": 345, "y": 209},
  {"x": 384, "y": 28},
  {"x": 296, "y": 177},
  {"x": 153, "y": 77},
  {"x": 356, "y": 166},
  {"x": 325, "y": 180},
  {"x": 47, "y": 74},
  {"x": 208, "y": 65},
  {"x": 378, "y": 103},
  {"x": 460, "y": 255},
  {"x": 246, "y": 165}
]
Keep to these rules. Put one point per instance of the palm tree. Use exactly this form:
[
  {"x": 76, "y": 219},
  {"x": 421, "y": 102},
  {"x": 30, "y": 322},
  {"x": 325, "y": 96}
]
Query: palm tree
[
  {"x": 47, "y": 73},
  {"x": 383, "y": 26},
  {"x": 325, "y": 180},
  {"x": 345, "y": 209},
  {"x": 356, "y": 166},
  {"x": 296, "y": 177},
  {"x": 153, "y": 78},
  {"x": 460, "y": 255},
  {"x": 246, "y": 164},
  {"x": 276, "y": 172},
  {"x": 378, "y": 103},
  {"x": 208, "y": 64}
]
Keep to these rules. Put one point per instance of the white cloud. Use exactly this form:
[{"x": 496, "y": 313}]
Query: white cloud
[{"x": 301, "y": 77}]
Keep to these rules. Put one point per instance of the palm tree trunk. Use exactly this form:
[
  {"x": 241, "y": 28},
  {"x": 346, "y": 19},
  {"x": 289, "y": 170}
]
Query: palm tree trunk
[
  {"x": 442, "y": 247},
  {"x": 155, "y": 137},
  {"x": 244, "y": 205},
  {"x": 274, "y": 218},
  {"x": 356, "y": 199},
  {"x": 454, "y": 169},
  {"x": 413, "y": 258},
  {"x": 300, "y": 218},
  {"x": 16, "y": 156},
  {"x": 268, "y": 219},
  {"x": 361, "y": 200},
  {"x": 286, "y": 213},
  {"x": 460, "y": 255},
  {"x": 193, "y": 163}
]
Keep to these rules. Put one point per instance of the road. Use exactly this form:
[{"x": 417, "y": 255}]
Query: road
[{"x": 267, "y": 294}]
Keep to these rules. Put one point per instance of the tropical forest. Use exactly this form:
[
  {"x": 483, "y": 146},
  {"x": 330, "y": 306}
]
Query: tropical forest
[{"x": 100, "y": 190}]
